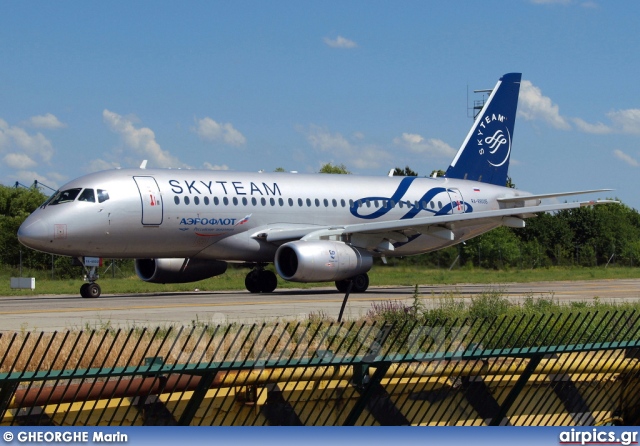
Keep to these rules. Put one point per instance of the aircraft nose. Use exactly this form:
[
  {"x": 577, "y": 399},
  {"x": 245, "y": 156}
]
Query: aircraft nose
[{"x": 34, "y": 233}]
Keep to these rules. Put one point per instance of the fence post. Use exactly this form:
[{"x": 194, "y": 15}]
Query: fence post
[{"x": 519, "y": 386}]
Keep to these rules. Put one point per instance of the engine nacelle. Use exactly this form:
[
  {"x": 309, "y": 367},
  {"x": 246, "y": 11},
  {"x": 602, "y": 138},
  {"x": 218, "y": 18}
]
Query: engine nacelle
[
  {"x": 178, "y": 270},
  {"x": 320, "y": 261}
]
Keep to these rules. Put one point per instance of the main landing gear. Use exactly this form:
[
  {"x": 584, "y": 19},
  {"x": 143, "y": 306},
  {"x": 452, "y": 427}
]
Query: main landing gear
[
  {"x": 260, "y": 280},
  {"x": 360, "y": 284}
]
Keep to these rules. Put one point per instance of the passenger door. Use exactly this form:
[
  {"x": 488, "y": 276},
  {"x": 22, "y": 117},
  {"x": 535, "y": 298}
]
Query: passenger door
[
  {"x": 457, "y": 204},
  {"x": 152, "y": 207}
]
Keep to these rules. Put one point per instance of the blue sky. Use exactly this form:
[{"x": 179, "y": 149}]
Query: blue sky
[{"x": 373, "y": 85}]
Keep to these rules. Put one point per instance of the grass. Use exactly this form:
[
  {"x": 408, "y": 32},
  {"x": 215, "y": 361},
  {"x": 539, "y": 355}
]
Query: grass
[
  {"x": 488, "y": 321},
  {"x": 233, "y": 279}
]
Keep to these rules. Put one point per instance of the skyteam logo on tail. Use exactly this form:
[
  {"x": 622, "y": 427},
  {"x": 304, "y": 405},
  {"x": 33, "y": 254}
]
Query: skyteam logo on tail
[
  {"x": 494, "y": 139},
  {"x": 484, "y": 154}
]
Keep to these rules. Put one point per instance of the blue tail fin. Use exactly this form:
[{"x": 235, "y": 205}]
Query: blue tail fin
[{"x": 484, "y": 154}]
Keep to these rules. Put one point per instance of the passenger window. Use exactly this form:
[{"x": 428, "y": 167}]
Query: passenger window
[
  {"x": 225, "y": 201},
  {"x": 235, "y": 201},
  {"x": 290, "y": 201},
  {"x": 300, "y": 202},
  {"x": 317, "y": 203},
  {"x": 254, "y": 201},
  {"x": 263, "y": 201},
  {"x": 216, "y": 201},
  {"x": 87, "y": 195},
  {"x": 326, "y": 203},
  {"x": 342, "y": 203},
  {"x": 244, "y": 201},
  {"x": 186, "y": 200},
  {"x": 280, "y": 201},
  {"x": 206, "y": 201},
  {"x": 308, "y": 203},
  {"x": 176, "y": 199},
  {"x": 103, "y": 195},
  {"x": 196, "y": 200},
  {"x": 272, "y": 202}
]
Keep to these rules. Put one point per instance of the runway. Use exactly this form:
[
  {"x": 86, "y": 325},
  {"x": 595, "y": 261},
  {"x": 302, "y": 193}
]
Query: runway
[{"x": 49, "y": 313}]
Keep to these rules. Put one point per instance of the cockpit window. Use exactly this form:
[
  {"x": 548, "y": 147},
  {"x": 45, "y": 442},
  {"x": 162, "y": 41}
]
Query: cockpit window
[
  {"x": 103, "y": 195},
  {"x": 65, "y": 196},
  {"x": 50, "y": 199},
  {"x": 87, "y": 195}
]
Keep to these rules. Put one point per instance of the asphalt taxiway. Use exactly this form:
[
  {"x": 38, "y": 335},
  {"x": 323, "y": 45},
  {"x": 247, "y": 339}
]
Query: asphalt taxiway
[{"x": 63, "y": 312}]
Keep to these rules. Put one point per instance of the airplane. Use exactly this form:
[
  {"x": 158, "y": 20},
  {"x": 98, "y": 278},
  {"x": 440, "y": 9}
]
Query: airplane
[{"x": 186, "y": 225}]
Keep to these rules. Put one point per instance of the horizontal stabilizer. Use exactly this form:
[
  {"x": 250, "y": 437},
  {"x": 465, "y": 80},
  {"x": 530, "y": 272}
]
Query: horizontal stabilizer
[{"x": 523, "y": 198}]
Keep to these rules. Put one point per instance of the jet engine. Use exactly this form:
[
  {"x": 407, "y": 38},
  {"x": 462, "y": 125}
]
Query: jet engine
[
  {"x": 178, "y": 270},
  {"x": 320, "y": 261}
]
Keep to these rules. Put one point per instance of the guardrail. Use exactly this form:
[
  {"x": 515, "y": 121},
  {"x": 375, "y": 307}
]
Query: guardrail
[{"x": 579, "y": 368}]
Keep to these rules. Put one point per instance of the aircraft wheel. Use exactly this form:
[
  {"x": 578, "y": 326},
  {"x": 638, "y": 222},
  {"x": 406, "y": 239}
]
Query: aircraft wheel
[
  {"x": 252, "y": 282},
  {"x": 268, "y": 281},
  {"x": 83, "y": 290},
  {"x": 360, "y": 283},
  {"x": 342, "y": 285},
  {"x": 93, "y": 290}
]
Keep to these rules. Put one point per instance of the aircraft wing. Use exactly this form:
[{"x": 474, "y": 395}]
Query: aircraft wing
[{"x": 395, "y": 229}]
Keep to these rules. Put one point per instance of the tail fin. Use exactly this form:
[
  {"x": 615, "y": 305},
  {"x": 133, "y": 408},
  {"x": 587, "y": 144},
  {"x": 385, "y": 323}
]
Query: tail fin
[{"x": 484, "y": 154}]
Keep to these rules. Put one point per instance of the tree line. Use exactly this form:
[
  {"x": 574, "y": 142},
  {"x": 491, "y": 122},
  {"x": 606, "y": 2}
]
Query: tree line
[{"x": 586, "y": 236}]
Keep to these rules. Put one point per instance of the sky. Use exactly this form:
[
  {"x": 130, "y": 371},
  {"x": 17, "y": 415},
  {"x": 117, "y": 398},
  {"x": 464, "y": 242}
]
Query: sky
[{"x": 373, "y": 85}]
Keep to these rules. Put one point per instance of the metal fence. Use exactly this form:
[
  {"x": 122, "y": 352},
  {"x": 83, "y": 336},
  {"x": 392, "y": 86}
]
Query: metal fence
[{"x": 570, "y": 368}]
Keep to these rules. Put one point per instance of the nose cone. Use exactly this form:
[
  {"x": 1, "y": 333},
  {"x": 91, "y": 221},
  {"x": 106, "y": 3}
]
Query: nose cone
[{"x": 35, "y": 234}]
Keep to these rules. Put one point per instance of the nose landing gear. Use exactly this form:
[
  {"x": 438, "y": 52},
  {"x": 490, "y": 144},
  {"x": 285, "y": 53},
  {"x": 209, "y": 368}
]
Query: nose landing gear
[{"x": 90, "y": 290}]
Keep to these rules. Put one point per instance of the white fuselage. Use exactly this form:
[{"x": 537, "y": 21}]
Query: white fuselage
[{"x": 216, "y": 214}]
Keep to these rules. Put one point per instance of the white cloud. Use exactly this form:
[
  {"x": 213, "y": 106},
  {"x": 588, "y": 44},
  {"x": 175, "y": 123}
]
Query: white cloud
[
  {"x": 47, "y": 121},
  {"x": 141, "y": 140},
  {"x": 626, "y": 158},
  {"x": 360, "y": 155},
  {"x": 323, "y": 140},
  {"x": 99, "y": 164},
  {"x": 628, "y": 121},
  {"x": 27, "y": 177},
  {"x": 432, "y": 147},
  {"x": 340, "y": 42},
  {"x": 370, "y": 157},
  {"x": 35, "y": 146},
  {"x": 598, "y": 128},
  {"x": 210, "y": 130},
  {"x": 534, "y": 106},
  {"x": 209, "y": 166},
  {"x": 19, "y": 161}
]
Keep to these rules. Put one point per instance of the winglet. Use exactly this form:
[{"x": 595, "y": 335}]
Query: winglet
[{"x": 485, "y": 153}]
